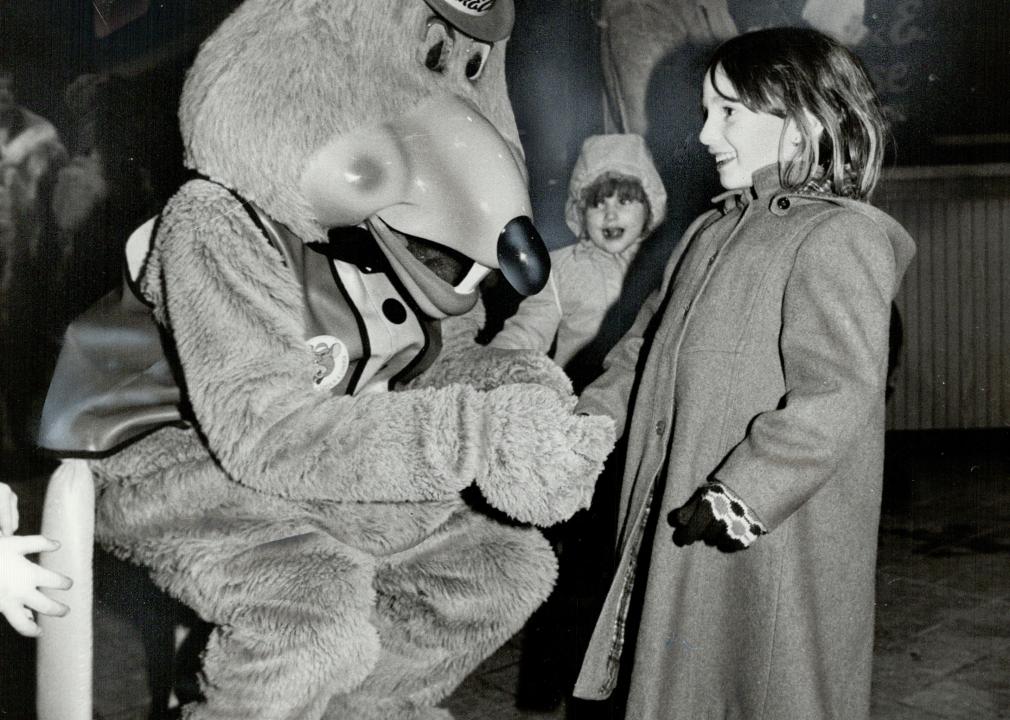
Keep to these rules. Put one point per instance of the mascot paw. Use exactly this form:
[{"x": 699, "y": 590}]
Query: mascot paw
[
  {"x": 528, "y": 366},
  {"x": 542, "y": 461},
  {"x": 487, "y": 368}
]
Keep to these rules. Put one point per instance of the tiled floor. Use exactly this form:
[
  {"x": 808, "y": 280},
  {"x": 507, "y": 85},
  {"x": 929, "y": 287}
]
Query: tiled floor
[{"x": 943, "y": 600}]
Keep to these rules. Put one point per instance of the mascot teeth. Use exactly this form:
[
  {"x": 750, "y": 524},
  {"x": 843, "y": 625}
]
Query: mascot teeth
[{"x": 468, "y": 284}]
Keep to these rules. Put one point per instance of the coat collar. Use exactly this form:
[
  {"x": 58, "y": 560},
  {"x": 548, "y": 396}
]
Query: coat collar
[{"x": 764, "y": 187}]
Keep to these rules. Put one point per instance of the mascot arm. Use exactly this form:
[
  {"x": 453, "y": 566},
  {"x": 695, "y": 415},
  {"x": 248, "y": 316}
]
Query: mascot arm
[
  {"x": 236, "y": 316},
  {"x": 463, "y": 360},
  {"x": 487, "y": 368}
]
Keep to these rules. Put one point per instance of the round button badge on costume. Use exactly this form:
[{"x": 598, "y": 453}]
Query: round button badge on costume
[{"x": 331, "y": 361}]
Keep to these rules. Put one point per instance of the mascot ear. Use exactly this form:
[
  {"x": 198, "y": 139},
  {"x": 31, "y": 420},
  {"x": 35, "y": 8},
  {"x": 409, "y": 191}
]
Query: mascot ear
[
  {"x": 436, "y": 49},
  {"x": 487, "y": 20}
]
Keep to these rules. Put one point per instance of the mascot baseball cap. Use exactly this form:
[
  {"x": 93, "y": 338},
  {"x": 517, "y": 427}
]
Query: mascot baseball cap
[{"x": 487, "y": 20}]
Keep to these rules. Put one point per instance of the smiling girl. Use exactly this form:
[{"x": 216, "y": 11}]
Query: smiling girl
[{"x": 751, "y": 388}]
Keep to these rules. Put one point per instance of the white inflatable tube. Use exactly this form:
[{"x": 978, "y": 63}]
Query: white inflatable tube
[{"x": 64, "y": 665}]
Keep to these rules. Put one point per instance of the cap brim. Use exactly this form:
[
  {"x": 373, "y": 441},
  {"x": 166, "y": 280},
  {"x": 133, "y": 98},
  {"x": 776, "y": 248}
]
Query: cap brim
[{"x": 493, "y": 25}]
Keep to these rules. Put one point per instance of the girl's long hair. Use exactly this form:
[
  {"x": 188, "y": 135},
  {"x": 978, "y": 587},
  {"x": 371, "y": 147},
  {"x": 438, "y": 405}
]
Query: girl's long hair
[{"x": 789, "y": 72}]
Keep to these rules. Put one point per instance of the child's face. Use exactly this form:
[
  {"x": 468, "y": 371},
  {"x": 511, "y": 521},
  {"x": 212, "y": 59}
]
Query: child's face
[
  {"x": 740, "y": 139},
  {"x": 614, "y": 224}
]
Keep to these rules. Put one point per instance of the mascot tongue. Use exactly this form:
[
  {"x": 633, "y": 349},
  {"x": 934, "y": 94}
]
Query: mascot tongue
[{"x": 441, "y": 173}]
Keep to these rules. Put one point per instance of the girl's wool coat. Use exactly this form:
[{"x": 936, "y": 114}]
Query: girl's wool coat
[{"x": 761, "y": 363}]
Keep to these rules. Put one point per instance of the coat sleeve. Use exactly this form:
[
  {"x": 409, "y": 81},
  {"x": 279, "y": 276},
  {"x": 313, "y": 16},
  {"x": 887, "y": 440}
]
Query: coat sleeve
[
  {"x": 235, "y": 314},
  {"x": 610, "y": 393},
  {"x": 535, "y": 322},
  {"x": 833, "y": 343}
]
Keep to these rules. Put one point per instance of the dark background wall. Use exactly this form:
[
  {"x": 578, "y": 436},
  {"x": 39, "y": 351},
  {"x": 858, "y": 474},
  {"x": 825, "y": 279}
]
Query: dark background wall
[
  {"x": 942, "y": 68},
  {"x": 557, "y": 94}
]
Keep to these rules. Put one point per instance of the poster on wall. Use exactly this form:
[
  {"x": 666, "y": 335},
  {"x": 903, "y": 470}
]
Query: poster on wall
[{"x": 941, "y": 70}]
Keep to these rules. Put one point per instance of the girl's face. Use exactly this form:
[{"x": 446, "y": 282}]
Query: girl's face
[
  {"x": 741, "y": 140},
  {"x": 614, "y": 224}
]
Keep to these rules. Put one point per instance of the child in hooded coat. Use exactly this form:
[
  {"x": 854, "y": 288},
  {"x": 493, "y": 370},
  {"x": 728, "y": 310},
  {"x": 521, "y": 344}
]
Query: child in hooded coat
[{"x": 615, "y": 201}]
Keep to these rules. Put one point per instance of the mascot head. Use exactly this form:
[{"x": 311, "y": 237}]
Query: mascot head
[{"x": 391, "y": 115}]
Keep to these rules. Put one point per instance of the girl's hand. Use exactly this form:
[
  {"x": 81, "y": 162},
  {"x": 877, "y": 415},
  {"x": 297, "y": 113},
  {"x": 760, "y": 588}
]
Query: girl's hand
[
  {"x": 8, "y": 511},
  {"x": 20, "y": 580},
  {"x": 715, "y": 515}
]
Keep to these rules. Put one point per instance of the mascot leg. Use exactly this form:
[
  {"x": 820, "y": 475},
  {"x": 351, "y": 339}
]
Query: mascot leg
[
  {"x": 293, "y": 623},
  {"x": 290, "y": 629},
  {"x": 291, "y": 603},
  {"x": 443, "y": 606},
  {"x": 292, "y": 608}
]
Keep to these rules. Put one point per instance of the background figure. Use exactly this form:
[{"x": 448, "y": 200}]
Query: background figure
[
  {"x": 615, "y": 201},
  {"x": 125, "y": 163},
  {"x": 30, "y": 156}
]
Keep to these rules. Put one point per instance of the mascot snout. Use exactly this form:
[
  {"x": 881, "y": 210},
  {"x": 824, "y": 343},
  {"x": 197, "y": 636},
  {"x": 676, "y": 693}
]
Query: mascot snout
[{"x": 442, "y": 173}]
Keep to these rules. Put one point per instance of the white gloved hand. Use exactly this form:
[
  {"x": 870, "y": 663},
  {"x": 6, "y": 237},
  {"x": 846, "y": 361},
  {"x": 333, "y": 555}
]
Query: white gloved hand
[{"x": 20, "y": 580}]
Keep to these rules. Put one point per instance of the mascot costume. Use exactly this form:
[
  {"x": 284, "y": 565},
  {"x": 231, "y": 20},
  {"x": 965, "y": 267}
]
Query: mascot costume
[{"x": 345, "y": 494}]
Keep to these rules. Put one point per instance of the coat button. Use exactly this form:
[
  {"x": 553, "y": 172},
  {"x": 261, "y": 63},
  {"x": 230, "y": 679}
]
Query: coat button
[
  {"x": 782, "y": 203},
  {"x": 660, "y": 427}
]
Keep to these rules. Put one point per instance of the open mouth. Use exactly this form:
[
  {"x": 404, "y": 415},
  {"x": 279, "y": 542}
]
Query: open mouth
[
  {"x": 723, "y": 158},
  {"x": 447, "y": 264},
  {"x": 439, "y": 270},
  {"x": 613, "y": 233}
]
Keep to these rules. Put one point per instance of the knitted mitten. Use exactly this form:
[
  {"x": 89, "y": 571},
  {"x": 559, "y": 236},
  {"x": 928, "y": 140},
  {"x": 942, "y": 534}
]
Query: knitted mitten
[{"x": 717, "y": 516}]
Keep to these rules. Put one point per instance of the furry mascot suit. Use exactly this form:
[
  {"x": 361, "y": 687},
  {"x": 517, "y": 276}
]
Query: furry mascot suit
[{"x": 312, "y": 505}]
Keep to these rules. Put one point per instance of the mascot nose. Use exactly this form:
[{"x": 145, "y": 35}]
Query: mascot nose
[
  {"x": 440, "y": 172},
  {"x": 522, "y": 256}
]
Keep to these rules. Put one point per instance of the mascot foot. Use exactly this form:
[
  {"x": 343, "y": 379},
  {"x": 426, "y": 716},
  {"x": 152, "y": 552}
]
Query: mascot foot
[{"x": 364, "y": 707}]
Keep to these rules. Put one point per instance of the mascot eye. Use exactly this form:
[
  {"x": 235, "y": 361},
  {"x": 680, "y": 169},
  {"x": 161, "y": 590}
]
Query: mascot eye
[
  {"x": 476, "y": 60},
  {"x": 437, "y": 46}
]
